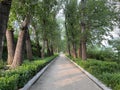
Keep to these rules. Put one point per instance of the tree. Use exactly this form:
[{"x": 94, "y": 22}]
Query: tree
[
  {"x": 28, "y": 46},
  {"x": 71, "y": 25},
  {"x": 10, "y": 46},
  {"x": 10, "y": 38},
  {"x": 25, "y": 14},
  {"x": 47, "y": 15},
  {"x": 96, "y": 19},
  {"x": 5, "y": 6},
  {"x": 18, "y": 57},
  {"x": 83, "y": 31}
]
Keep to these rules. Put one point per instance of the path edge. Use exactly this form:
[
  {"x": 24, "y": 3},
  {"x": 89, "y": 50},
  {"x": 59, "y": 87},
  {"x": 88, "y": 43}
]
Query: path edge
[
  {"x": 90, "y": 76},
  {"x": 37, "y": 76}
]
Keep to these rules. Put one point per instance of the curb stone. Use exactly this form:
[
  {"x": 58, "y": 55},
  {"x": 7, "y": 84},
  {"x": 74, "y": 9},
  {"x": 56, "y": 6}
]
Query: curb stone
[
  {"x": 94, "y": 79},
  {"x": 37, "y": 76}
]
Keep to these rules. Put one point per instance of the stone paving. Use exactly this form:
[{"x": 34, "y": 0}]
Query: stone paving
[{"x": 63, "y": 75}]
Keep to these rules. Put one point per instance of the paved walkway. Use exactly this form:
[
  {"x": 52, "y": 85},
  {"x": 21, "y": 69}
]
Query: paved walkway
[{"x": 63, "y": 75}]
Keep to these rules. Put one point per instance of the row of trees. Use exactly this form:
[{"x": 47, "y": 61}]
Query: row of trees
[
  {"x": 88, "y": 22},
  {"x": 34, "y": 20}
]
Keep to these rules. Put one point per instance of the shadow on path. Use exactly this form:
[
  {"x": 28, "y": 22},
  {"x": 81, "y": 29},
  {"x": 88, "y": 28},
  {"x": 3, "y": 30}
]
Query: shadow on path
[{"x": 63, "y": 75}]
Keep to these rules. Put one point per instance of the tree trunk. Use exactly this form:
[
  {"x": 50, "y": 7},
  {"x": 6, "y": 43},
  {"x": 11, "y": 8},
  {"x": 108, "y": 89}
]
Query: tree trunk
[
  {"x": 37, "y": 42},
  {"x": 28, "y": 46},
  {"x": 83, "y": 42},
  {"x": 10, "y": 46},
  {"x": 17, "y": 61},
  {"x": 68, "y": 40},
  {"x": 80, "y": 51},
  {"x": 48, "y": 49},
  {"x": 74, "y": 50},
  {"x": 38, "y": 48},
  {"x": 5, "y": 6},
  {"x": 84, "y": 55},
  {"x": 43, "y": 50},
  {"x": 69, "y": 49},
  {"x": 52, "y": 51},
  {"x": 18, "y": 57}
]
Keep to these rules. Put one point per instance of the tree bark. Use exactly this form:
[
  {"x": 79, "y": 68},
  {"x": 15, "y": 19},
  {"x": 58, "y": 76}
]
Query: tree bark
[
  {"x": 38, "y": 48},
  {"x": 69, "y": 51},
  {"x": 68, "y": 40},
  {"x": 17, "y": 61},
  {"x": 52, "y": 51},
  {"x": 80, "y": 50},
  {"x": 10, "y": 46},
  {"x": 74, "y": 50},
  {"x": 18, "y": 57},
  {"x": 43, "y": 50},
  {"x": 84, "y": 53},
  {"x": 28, "y": 46},
  {"x": 37, "y": 42},
  {"x": 48, "y": 49},
  {"x": 83, "y": 42},
  {"x": 5, "y": 6}
]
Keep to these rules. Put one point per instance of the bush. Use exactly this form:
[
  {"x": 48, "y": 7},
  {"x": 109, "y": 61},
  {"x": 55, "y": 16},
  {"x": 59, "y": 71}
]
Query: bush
[
  {"x": 112, "y": 80},
  {"x": 99, "y": 67},
  {"x": 108, "y": 72},
  {"x": 106, "y": 54},
  {"x": 9, "y": 83},
  {"x": 22, "y": 74},
  {"x": 1, "y": 64}
]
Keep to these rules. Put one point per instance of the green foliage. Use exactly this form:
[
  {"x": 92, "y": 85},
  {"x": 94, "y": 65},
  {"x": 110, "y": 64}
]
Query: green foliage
[
  {"x": 99, "y": 67},
  {"x": 111, "y": 79},
  {"x": 72, "y": 21},
  {"x": 105, "y": 54},
  {"x": 9, "y": 83},
  {"x": 115, "y": 43},
  {"x": 107, "y": 72},
  {"x": 98, "y": 18},
  {"x": 1, "y": 64},
  {"x": 20, "y": 76}
]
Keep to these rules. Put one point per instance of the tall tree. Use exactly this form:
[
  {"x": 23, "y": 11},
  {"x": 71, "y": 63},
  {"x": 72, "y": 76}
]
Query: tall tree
[
  {"x": 83, "y": 28},
  {"x": 10, "y": 46},
  {"x": 5, "y": 6},
  {"x": 96, "y": 19},
  {"x": 71, "y": 24},
  {"x": 18, "y": 57},
  {"x": 10, "y": 38},
  {"x": 25, "y": 14},
  {"x": 47, "y": 9}
]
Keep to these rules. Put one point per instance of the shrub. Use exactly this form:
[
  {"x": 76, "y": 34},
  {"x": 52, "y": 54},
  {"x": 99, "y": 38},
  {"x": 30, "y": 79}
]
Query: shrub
[
  {"x": 108, "y": 72},
  {"x": 1, "y": 64},
  {"x": 106, "y": 54},
  {"x": 112, "y": 80},
  {"x": 95, "y": 66},
  {"x": 9, "y": 83}
]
